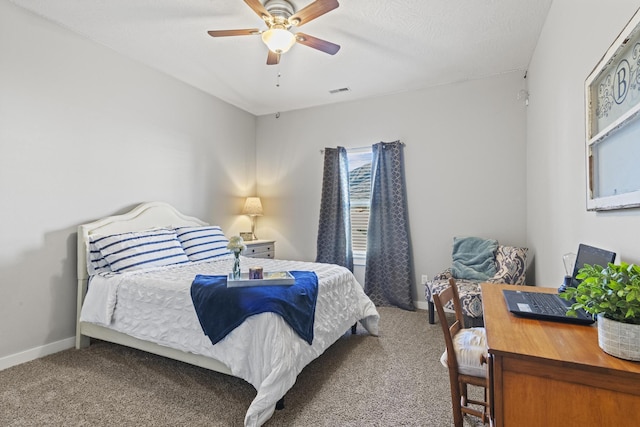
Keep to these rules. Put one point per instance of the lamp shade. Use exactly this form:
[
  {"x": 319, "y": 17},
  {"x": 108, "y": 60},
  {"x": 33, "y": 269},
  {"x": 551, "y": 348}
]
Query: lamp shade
[
  {"x": 278, "y": 40},
  {"x": 252, "y": 207}
]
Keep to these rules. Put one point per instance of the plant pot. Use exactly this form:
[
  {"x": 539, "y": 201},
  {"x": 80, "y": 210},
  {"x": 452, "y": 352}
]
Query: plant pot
[{"x": 619, "y": 339}]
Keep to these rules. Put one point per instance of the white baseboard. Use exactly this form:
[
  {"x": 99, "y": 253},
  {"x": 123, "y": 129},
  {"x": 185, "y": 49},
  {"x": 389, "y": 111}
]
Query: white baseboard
[
  {"x": 35, "y": 353},
  {"x": 422, "y": 305}
]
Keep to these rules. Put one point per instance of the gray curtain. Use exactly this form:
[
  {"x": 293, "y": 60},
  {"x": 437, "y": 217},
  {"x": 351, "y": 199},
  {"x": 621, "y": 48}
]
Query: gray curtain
[
  {"x": 334, "y": 230},
  {"x": 389, "y": 272}
]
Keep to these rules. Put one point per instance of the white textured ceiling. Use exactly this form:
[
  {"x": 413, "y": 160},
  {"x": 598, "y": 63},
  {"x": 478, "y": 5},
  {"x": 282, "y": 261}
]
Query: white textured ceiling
[{"x": 387, "y": 46}]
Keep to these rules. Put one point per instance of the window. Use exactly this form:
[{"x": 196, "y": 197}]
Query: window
[{"x": 360, "y": 195}]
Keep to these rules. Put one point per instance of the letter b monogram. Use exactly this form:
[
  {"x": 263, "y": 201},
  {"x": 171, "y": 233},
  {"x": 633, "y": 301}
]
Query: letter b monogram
[{"x": 621, "y": 84}]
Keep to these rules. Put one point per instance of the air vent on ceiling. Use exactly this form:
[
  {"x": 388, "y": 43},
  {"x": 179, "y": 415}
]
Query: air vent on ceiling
[{"x": 342, "y": 89}]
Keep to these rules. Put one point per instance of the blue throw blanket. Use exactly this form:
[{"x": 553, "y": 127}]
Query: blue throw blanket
[
  {"x": 474, "y": 258},
  {"x": 221, "y": 309}
]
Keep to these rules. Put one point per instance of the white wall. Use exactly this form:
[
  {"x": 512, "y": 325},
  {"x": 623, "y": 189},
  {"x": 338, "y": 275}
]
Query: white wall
[
  {"x": 575, "y": 37},
  {"x": 464, "y": 158},
  {"x": 87, "y": 133}
]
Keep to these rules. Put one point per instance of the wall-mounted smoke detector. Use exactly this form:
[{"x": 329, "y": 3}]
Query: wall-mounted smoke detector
[{"x": 341, "y": 90}]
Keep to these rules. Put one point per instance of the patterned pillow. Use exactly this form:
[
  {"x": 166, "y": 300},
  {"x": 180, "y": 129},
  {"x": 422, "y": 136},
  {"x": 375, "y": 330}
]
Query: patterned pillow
[
  {"x": 203, "y": 242},
  {"x": 139, "y": 250},
  {"x": 511, "y": 263}
]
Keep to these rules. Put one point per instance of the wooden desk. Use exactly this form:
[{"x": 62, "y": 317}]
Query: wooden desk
[{"x": 554, "y": 374}]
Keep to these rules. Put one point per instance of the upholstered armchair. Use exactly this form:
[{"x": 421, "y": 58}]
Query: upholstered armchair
[{"x": 509, "y": 265}]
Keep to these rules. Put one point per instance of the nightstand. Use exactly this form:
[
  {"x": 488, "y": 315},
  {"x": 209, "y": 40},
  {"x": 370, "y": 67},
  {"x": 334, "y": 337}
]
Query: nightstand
[{"x": 260, "y": 248}]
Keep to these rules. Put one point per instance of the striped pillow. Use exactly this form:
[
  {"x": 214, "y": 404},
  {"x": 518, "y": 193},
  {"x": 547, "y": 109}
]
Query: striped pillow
[
  {"x": 140, "y": 250},
  {"x": 95, "y": 261},
  {"x": 203, "y": 242}
]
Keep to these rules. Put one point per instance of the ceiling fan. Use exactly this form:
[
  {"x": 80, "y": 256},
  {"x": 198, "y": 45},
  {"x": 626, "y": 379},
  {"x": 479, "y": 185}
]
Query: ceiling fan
[{"x": 280, "y": 16}]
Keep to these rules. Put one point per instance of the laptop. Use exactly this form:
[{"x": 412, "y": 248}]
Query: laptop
[{"x": 550, "y": 306}]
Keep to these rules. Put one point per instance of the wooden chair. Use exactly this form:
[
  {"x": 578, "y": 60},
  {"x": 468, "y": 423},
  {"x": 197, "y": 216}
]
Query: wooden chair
[{"x": 463, "y": 372}]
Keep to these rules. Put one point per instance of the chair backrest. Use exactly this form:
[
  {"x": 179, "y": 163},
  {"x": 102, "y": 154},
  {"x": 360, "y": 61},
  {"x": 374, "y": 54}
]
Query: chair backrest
[
  {"x": 461, "y": 403},
  {"x": 439, "y": 300}
]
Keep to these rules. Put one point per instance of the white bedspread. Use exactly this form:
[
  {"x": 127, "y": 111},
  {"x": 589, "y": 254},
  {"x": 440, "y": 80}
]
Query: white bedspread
[{"x": 156, "y": 306}]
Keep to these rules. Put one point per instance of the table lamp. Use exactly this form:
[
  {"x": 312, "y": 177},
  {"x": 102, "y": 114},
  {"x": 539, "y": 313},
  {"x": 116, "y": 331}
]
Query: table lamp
[
  {"x": 569, "y": 261},
  {"x": 253, "y": 208}
]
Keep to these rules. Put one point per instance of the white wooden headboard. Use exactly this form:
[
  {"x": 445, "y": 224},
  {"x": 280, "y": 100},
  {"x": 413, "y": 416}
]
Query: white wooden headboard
[{"x": 142, "y": 217}]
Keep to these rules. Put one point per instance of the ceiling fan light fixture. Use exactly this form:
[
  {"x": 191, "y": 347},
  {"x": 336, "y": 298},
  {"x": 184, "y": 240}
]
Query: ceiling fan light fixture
[{"x": 278, "y": 40}]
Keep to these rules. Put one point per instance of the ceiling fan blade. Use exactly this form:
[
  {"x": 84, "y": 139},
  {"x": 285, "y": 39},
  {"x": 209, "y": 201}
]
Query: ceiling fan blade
[
  {"x": 312, "y": 11},
  {"x": 273, "y": 58},
  {"x": 258, "y": 8},
  {"x": 316, "y": 43},
  {"x": 225, "y": 33}
]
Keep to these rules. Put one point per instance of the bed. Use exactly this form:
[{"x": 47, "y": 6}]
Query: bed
[{"x": 150, "y": 309}]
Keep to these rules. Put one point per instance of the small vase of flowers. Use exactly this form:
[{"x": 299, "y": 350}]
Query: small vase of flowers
[{"x": 236, "y": 245}]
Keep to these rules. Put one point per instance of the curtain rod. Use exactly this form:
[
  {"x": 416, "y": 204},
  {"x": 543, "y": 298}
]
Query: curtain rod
[{"x": 362, "y": 148}]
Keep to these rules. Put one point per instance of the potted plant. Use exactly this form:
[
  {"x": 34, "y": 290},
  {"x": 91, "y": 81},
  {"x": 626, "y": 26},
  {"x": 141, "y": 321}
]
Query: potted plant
[{"x": 612, "y": 293}]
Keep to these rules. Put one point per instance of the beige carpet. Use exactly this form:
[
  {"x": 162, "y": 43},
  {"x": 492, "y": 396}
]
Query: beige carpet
[{"x": 392, "y": 380}]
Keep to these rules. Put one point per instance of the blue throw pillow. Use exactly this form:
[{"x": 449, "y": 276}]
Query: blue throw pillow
[{"x": 474, "y": 258}]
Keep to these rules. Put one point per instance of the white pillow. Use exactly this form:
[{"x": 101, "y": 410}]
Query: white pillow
[
  {"x": 140, "y": 250},
  {"x": 470, "y": 345},
  {"x": 203, "y": 242}
]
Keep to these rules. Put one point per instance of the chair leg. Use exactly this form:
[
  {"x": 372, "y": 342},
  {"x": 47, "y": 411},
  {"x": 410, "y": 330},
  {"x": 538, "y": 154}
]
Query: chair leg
[
  {"x": 463, "y": 394},
  {"x": 432, "y": 318},
  {"x": 486, "y": 416},
  {"x": 456, "y": 406}
]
